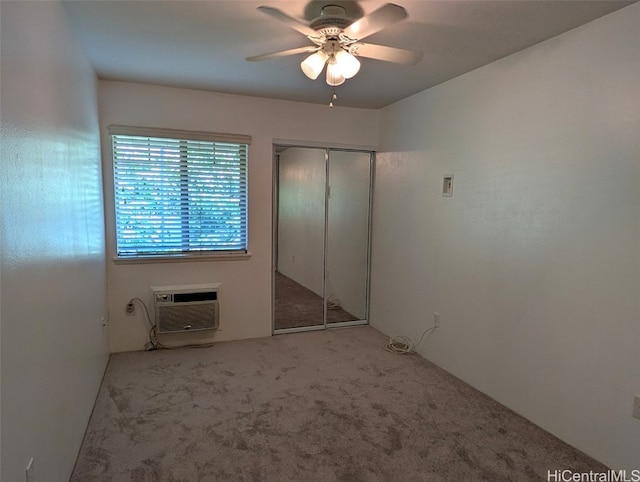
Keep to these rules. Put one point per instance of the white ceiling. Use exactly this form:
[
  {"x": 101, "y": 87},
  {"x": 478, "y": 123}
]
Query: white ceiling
[{"x": 203, "y": 44}]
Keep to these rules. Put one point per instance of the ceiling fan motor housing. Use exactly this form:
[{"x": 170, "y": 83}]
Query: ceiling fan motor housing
[{"x": 331, "y": 21}]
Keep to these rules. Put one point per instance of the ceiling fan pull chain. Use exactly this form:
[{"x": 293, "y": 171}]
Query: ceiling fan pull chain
[{"x": 333, "y": 97}]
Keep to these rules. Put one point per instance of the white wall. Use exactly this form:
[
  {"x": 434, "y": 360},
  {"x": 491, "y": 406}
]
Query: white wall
[
  {"x": 534, "y": 263},
  {"x": 245, "y": 296},
  {"x": 54, "y": 345}
]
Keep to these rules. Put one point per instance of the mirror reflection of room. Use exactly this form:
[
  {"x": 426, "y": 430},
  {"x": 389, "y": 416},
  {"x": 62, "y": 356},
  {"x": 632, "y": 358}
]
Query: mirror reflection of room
[{"x": 321, "y": 262}]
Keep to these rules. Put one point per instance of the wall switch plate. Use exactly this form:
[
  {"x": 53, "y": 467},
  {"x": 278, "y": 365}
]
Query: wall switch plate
[
  {"x": 636, "y": 406},
  {"x": 447, "y": 185}
]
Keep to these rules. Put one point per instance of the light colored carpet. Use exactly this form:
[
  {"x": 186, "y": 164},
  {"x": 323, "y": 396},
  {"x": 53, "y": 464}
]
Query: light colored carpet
[{"x": 314, "y": 406}]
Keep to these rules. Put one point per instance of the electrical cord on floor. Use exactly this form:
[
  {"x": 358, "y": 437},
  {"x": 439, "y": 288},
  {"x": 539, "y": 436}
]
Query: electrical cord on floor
[
  {"x": 403, "y": 345},
  {"x": 154, "y": 343}
]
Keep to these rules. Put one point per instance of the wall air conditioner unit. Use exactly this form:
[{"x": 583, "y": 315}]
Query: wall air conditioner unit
[{"x": 186, "y": 308}]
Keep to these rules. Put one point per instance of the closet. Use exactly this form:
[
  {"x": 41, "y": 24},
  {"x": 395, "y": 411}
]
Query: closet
[{"x": 322, "y": 231}]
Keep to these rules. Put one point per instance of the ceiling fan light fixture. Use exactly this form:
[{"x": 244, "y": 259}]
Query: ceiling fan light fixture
[
  {"x": 335, "y": 76},
  {"x": 349, "y": 65},
  {"x": 312, "y": 66},
  {"x": 337, "y": 40}
]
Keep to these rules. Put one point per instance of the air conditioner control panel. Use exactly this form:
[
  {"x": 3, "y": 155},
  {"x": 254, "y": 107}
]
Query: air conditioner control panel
[{"x": 163, "y": 298}]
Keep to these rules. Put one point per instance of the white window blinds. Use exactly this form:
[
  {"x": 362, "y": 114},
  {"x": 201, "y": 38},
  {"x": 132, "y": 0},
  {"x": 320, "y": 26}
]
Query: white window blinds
[{"x": 178, "y": 195}]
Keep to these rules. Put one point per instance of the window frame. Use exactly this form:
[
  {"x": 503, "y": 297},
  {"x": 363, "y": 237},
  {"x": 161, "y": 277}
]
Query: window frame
[{"x": 179, "y": 135}]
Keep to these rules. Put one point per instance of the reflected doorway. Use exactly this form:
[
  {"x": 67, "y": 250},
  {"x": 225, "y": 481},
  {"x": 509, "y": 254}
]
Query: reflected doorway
[{"x": 322, "y": 227}]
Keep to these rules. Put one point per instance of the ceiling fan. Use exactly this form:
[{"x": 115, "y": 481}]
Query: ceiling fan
[{"x": 337, "y": 42}]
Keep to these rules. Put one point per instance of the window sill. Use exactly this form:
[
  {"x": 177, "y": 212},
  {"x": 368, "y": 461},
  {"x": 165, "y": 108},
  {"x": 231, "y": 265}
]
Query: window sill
[{"x": 183, "y": 258}]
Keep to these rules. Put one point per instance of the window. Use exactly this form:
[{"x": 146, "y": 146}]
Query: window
[{"x": 179, "y": 193}]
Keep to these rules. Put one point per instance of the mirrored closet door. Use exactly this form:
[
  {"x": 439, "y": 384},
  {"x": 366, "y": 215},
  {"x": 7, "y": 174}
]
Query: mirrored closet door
[{"x": 322, "y": 235}]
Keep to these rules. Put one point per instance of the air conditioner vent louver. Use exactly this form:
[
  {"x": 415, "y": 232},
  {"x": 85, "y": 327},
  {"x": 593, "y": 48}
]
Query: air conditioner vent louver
[{"x": 186, "y": 308}]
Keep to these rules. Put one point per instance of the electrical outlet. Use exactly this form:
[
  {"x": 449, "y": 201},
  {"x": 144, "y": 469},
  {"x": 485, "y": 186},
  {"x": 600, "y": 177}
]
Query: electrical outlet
[
  {"x": 436, "y": 319},
  {"x": 130, "y": 310},
  {"x": 636, "y": 406},
  {"x": 29, "y": 471}
]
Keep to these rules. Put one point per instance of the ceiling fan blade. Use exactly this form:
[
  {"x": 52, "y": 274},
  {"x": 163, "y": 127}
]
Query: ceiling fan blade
[
  {"x": 377, "y": 20},
  {"x": 387, "y": 54},
  {"x": 284, "y": 53},
  {"x": 292, "y": 22}
]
